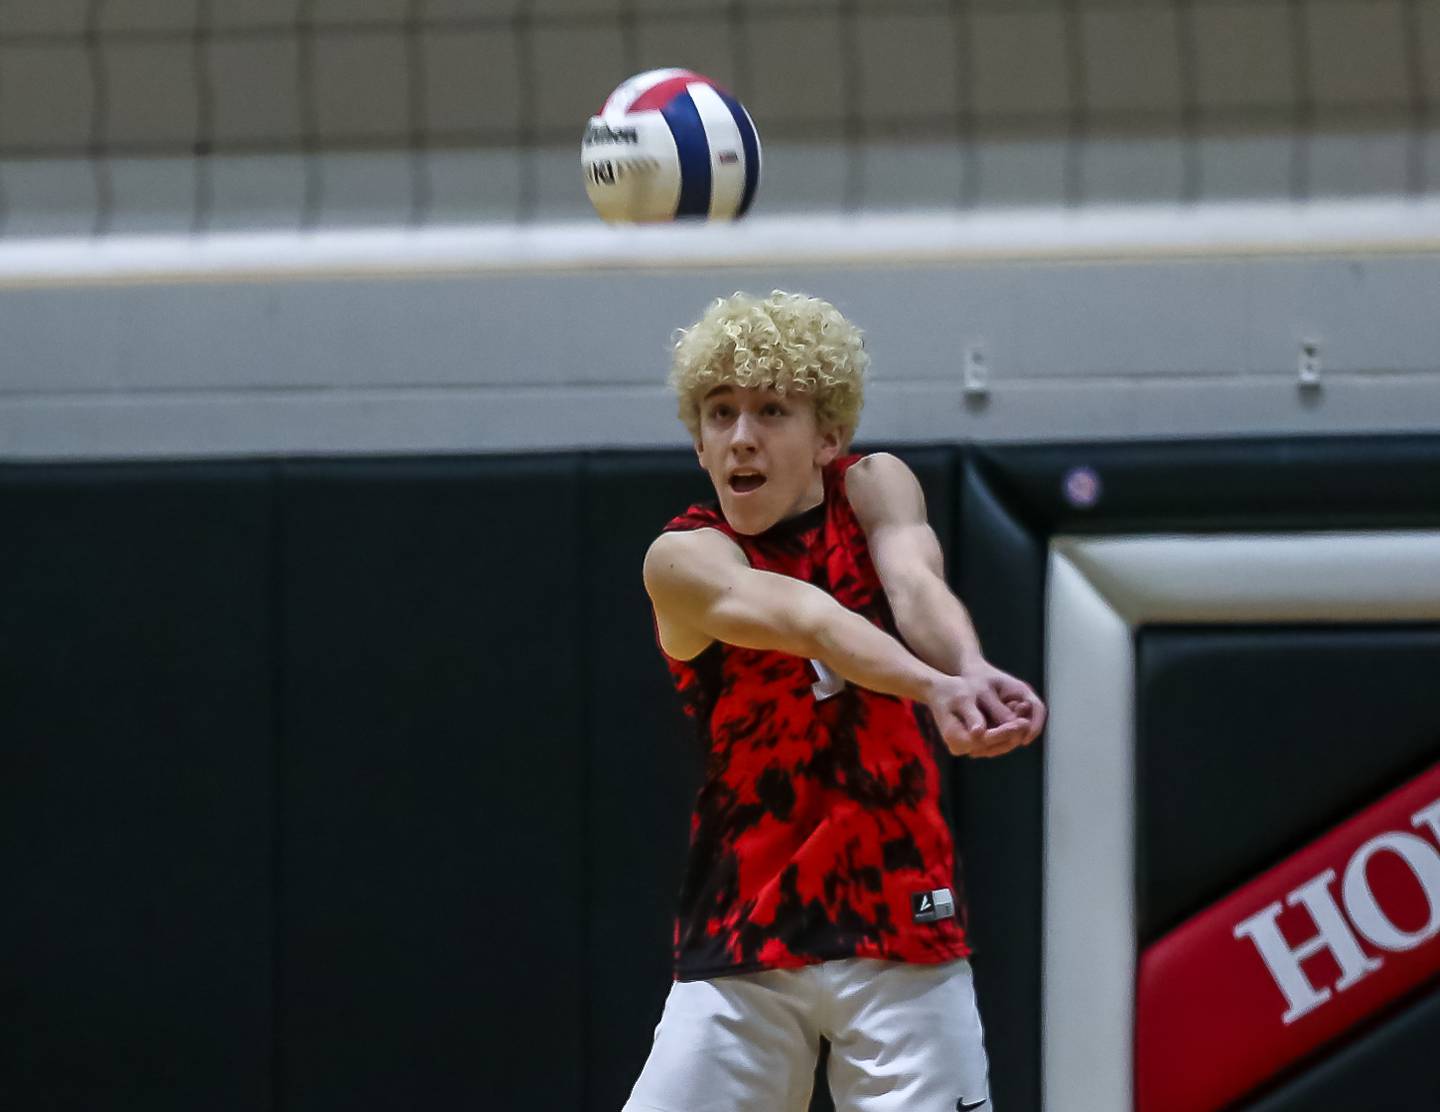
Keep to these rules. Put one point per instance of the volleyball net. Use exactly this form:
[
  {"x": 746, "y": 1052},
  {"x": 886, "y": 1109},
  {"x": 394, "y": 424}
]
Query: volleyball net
[{"x": 194, "y": 116}]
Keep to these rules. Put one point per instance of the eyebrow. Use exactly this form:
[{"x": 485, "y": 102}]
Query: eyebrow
[{"x": 723, "y": 388}]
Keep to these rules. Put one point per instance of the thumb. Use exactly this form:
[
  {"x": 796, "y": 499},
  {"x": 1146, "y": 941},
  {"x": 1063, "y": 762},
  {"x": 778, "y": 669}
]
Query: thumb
[{"x": 958, "y": 737}]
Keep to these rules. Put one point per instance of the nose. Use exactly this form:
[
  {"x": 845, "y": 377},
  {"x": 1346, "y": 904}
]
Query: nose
[{"x": 743, "y": 433}]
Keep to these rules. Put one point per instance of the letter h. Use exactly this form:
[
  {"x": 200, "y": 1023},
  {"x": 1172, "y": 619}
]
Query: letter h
[{"x": 1283, "y": 960}]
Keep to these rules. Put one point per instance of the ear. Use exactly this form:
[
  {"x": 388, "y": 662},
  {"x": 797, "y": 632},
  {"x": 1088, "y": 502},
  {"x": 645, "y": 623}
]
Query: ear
[
  {"x": 700, "y": 453},
  {"x": 828, "y": 445}
]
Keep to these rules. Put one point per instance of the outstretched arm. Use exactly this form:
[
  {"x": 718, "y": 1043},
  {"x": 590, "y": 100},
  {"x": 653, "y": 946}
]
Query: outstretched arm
[
  {"x": 704, "y": 590},
  {"x": 891, "y": 508}
]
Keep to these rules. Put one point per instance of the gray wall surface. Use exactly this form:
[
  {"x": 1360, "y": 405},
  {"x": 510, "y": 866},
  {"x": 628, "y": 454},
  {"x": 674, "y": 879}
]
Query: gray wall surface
[{"x": 521, "y": 362}]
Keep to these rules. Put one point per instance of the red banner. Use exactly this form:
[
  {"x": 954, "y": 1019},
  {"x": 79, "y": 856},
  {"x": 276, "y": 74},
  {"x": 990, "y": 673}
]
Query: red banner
[{"x": 1294, "y": 958}]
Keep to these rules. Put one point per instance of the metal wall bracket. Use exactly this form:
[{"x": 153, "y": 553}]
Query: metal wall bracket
[
  {"x": 1309, "y": 365},
  {"x": 975, "y": 381}
]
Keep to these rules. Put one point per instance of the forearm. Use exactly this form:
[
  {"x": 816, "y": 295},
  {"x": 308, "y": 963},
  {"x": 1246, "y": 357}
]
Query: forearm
[
  {"x": 763, "y": 610},
  {"x": 936, "y": 626},
  {"x": 867, "y": 656}
]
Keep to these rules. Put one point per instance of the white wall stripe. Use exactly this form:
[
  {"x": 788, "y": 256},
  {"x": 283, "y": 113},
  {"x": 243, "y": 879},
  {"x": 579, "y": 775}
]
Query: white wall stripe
[
  {"x": 1088, "y": 942},
  {"x": 1131, "y": 232}
]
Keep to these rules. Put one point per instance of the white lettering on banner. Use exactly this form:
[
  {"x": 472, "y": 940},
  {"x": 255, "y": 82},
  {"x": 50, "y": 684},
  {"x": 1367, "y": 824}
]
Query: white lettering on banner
[
  {"x": 1360, "y": 900},
  {"x": 1283, "y": 960},
  {"x": 1428, "y": 816},
  {"x": 1334, "y": 932}
]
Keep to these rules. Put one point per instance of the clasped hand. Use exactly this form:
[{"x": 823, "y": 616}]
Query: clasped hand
[{"x": 986, "y": 712}]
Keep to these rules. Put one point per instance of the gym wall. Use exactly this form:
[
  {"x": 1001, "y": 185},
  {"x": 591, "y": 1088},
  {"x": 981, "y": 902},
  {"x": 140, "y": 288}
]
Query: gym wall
[{"x": 335, "y": 782}]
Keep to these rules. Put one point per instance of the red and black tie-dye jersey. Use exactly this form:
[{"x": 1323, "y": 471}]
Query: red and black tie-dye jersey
[{"x": 819, "y": 818}]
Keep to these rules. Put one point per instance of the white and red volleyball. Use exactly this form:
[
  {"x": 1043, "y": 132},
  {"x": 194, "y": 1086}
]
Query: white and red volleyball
[{"x": 670, "y": 144}]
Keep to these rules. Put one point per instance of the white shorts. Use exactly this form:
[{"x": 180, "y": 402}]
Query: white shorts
[{"x": 903, "y": 1038}]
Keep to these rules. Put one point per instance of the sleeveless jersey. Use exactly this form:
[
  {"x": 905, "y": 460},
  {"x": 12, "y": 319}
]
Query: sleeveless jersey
[{"x": 818, "y": 829}]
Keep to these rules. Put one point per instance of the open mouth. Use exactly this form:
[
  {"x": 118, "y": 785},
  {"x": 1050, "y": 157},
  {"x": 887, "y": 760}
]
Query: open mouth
[{"x": 744, "y": 483}]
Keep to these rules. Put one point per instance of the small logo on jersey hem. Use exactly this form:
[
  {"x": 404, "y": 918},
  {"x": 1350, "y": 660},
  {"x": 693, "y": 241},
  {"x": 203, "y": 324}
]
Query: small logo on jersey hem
[
  {"x": 931, "y": 907},
  {"x": 961, "y": 1106}
]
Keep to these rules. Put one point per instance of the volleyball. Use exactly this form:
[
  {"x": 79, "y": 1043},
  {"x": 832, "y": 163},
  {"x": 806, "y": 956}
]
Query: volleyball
[{"x": 670, "y": 144}]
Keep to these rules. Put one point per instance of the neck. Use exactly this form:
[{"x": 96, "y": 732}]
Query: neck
[{"x": 813, "y": 496}]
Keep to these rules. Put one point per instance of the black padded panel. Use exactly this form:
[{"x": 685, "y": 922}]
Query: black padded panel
[
  {"x": 1303, "y": 483},
  {"x": 135, "y": 803},
  {"x": 1286, "y": 729},
  {"x": 1001, "y": 581},
  {"x": 1389, "y": 1068},
  {"x": 432, "y": 786}
]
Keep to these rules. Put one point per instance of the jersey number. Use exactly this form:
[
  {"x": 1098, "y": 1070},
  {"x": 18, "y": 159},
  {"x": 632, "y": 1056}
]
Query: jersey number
[{"x": 828, "y": 684}]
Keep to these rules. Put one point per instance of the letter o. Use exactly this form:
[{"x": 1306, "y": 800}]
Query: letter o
[{"x": 1360, "y": 902}]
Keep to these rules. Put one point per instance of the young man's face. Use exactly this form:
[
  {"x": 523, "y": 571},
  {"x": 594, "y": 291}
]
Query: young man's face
[{"x": 764, "y": 452}]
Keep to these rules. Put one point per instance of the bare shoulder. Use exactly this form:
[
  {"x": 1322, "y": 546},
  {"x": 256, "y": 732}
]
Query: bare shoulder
[
  {"x": 683, "y": 573},
  {"x": 878, "y": 463},
  {"x": 882, "y": 489},
  {"x": 687, "y": 559},
  {"x": 681, "y": 568}
]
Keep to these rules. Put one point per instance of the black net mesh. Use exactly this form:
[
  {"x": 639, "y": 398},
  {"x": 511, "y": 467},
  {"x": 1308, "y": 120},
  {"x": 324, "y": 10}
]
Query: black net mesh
[{"x": 194, "y": 113}]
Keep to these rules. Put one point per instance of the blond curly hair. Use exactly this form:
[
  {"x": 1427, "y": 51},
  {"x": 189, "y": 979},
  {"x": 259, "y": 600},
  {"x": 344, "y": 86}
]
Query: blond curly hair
[{"x": 793, "y": 343}]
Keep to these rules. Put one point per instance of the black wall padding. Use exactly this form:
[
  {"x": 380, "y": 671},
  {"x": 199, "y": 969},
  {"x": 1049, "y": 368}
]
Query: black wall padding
[
  {"x": 360, "y": 784},
  {"x": 1287, "y": 730},
  {"x": 135, "y": 788},
  {"x": 1390, "y": 1068},
  {"x": 1001, "y": 832},
  {"x": 1265, "y": 485},
  {"x": 432, "y": 899}
]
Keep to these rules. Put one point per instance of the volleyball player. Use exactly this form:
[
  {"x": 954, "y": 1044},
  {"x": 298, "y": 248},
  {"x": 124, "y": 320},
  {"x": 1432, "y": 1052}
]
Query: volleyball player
[{"x": 806, "y": 622}]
